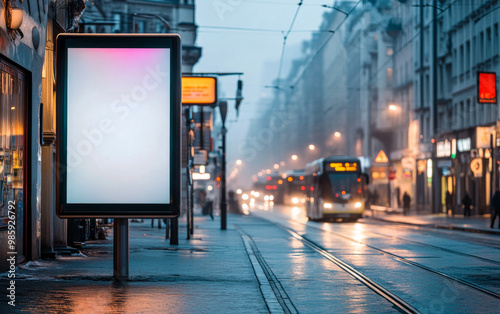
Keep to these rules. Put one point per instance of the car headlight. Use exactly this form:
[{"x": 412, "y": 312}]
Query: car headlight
[
  {"x": 327, "y": 205},
  {"x": 295, "y": 200},
  {"x": 357, "y": 205}
]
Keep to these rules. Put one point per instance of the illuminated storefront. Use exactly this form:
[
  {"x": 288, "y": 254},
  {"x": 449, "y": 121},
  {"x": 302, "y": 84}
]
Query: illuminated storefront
[
  {"x": 464, "y": 162},
  {"x": 14, "y": 153}
]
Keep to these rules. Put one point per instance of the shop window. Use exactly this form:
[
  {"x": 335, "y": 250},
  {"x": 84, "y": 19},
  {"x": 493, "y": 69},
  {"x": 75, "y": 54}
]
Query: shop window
[{"x": 13, "y": 150}]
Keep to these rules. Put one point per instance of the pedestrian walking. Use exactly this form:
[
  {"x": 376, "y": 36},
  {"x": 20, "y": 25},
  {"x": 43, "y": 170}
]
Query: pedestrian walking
[
  {"x": 449, "y": 203},
  {"x": 406, "y": 203},
  {"x": 495, "y": 208},
  {"x": 466, "y": 204}
]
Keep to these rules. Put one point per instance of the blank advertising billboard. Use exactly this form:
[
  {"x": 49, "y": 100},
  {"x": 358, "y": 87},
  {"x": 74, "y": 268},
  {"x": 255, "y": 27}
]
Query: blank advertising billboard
[{"x": 118, "y": 114}]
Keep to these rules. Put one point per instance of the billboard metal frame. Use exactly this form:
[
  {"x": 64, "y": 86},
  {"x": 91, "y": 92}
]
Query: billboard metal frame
[{"x": 118, "y": 210}]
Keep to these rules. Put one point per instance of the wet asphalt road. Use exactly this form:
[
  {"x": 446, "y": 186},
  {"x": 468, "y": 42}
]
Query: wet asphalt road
[{"x": 434, "y": 271}]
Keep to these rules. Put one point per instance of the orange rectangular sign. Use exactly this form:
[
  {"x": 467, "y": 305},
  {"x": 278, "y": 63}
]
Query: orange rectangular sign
[{"x": 199, "y": 90}]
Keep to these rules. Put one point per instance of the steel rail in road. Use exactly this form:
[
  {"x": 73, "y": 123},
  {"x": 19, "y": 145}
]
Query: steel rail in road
[
  {"x": 493, "y": 243},
  {"x": 487, "y": 260},
  {"x": 389, "y": 296},
  {"x": 281, "y": 296},
  {"x": 401, "y": 259}
]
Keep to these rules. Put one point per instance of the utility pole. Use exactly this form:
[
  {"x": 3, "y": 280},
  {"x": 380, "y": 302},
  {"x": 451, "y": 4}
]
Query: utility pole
[
  {"x": 435, "y": 183},
  {"x": 223, "y": 200}
]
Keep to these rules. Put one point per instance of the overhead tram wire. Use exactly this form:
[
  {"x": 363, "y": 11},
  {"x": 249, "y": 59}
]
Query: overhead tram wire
[
  {"x": 382, "y": 67},
  {"x": 282, "y": 3},
  {"x": 229, "y": 28},
  {"x": 284, "y": 42},
  {"x": 324, "y": 44}
]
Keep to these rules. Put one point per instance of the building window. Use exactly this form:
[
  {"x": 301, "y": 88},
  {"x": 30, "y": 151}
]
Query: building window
[
  {"x": 467, "y": 116},
  {"x": 390, "y": 75},
  {"x": 462, "y": 116},
  {"x": 13, "y": 150},
  {"x": 473, "y": 112},
  {"x": 455, "y": 72},
  {"x": 474, "y": 54},
  {"x": 481, "y": 47},
  {"x": 488, "y": 42},
  {"x": 117, "y": 27},
  {"x": 427, "y": 90},
  {"x": 467, "y": 56},
  {"x": 495, "y": 38},
  {"x": 480, "y": 114},
  {"x": 160, "y": 27},
  {"x": 461, "y": 64}
]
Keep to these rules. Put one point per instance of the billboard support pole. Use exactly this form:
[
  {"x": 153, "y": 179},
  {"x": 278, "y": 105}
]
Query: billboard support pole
[
  {"x": 174, "y": 233},
  {"x": 120, "y": 249}
]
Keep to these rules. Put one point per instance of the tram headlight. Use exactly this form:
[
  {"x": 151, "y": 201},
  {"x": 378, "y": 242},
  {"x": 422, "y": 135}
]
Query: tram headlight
[
  {"x": 357, "y": 205},
  {"x": 295, "y": 200},
  {"x": 327, "y": 205}
]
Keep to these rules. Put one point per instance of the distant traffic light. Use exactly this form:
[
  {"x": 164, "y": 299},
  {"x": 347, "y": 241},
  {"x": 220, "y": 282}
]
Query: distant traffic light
[{"x": 239, "y": 97}]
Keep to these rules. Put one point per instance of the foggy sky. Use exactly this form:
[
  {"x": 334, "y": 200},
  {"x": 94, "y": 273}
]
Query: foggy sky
[{"x": 255, "y": 53}]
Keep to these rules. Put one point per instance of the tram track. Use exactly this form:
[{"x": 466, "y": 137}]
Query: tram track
[
  {"x": 403, "y": 302},
  {"x": 261, "y": 268},
  {"x": 377, "y": 288},
  {"x": 394, "y": 256},
  {"x": 281, "y": 295},
  {"x": 487, "y": 260},
  {"x": 492, "y": 243}
]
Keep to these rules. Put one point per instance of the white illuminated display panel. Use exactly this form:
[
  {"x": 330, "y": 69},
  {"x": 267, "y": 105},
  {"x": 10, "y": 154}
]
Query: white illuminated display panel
[{"x": 118, "y": 122}]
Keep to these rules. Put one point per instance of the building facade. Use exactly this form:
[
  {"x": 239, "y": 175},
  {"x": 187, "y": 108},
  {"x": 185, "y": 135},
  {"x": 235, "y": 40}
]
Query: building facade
[
  {"x": 28, "y": 129},
  {"x": 401, "y": 78}
]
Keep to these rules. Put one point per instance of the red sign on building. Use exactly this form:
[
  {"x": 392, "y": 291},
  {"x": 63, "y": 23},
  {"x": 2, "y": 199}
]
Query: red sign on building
[{"x": 486, "y": 88}]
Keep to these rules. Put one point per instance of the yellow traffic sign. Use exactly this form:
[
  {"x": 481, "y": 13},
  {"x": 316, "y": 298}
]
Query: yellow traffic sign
[{"x": 381, "y": 157}]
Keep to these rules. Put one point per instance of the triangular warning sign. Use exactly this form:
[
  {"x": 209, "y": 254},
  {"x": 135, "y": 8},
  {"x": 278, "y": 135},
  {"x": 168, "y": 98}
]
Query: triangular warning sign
[{"x": 381, "y": 157}]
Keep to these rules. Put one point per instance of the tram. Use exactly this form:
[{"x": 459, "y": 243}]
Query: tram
[
  {"x": 271, "y": 185},
  {"x": 336, "y": 188},
  {"x": 294, "y": 187}
]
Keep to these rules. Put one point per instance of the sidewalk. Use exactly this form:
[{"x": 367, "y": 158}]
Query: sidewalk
[
  {"x": 210, "y": 273},
  {"x": 476, "y": 223}
]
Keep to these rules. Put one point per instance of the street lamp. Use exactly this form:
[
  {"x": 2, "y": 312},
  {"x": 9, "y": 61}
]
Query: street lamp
[
  {"x": 238, "y": 162},
  {"x": 295, "y": 157},
  {"x": 312, "y": 147},
  {"x": 337, "y": 134},
  {"x": 393, "y": 108}
]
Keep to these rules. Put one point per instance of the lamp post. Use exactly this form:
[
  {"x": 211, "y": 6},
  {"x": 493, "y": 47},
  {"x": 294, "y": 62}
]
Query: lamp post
[
  {"x": 223, "y": 201},
  {"x": 150, "y": 16}
]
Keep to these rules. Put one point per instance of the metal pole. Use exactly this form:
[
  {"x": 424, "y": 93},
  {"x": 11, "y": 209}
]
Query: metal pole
[
  {"x": 120, "y": 249},
  {"x": 191, "y": 214},
  {"x": 434, "y": 64},
  {"x": 167, "y": 228},
  {"x": 174, "y": 235},
  {"x": 493, "y": 166},
  {"x": 223, "y": 201},
  {"x": 187, "y": 115}
]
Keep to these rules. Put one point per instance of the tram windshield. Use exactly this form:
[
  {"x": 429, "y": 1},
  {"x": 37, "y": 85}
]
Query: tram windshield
[{"x": 341, "y": 187}]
